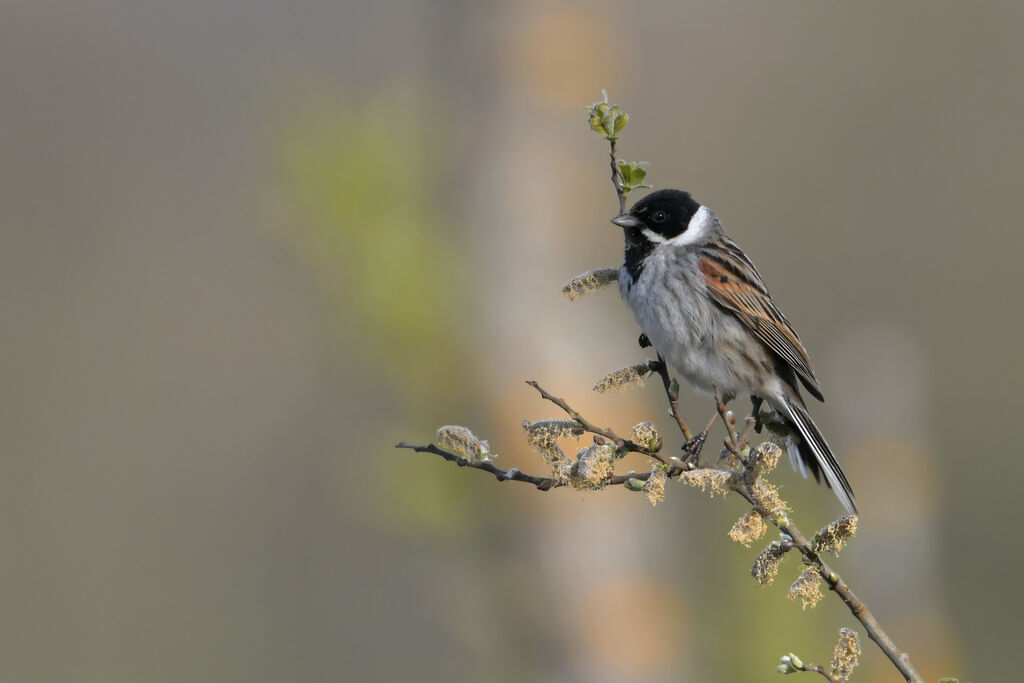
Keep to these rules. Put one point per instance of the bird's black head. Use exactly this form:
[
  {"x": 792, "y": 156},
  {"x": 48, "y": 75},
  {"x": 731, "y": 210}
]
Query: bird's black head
[
  {"x": 666, "y": 213},
  {"x": 659, "y": 217}
]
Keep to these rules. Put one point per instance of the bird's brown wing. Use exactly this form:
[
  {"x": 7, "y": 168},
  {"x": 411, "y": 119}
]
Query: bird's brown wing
[{"x": 734, "y": 283}]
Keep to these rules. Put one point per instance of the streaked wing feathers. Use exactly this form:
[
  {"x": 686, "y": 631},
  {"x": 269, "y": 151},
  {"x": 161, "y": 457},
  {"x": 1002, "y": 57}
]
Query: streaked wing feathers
[{"x": 734, "y": 283}]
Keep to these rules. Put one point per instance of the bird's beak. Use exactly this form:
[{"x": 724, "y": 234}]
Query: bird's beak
[{"x": 625, "y": 220}]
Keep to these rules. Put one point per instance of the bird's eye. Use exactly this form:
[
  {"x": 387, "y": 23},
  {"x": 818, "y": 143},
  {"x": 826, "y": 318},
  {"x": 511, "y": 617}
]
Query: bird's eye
[{"x": 659, "y": 216}]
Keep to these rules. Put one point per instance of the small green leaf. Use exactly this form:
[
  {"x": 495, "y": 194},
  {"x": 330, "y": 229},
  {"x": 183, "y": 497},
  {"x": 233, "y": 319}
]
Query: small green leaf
[
  {"x": 789, "y": 664},
  {"x": 620, "y": 122},
  {"x": 606, "y": 118},
  {"x": 625, "y": 171},
  {"x": 632, "y": 174}
]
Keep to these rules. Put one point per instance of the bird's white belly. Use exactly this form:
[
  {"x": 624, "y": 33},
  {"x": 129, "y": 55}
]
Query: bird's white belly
[{"x": 708, "y": 346}]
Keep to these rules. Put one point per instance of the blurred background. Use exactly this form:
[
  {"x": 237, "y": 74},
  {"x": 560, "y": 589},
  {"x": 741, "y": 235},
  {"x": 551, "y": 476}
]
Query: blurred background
[{"x": 247, "y": 247}]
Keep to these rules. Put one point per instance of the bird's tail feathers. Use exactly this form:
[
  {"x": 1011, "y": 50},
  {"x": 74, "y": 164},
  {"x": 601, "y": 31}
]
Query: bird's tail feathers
[{"x": 814, "y": 454}]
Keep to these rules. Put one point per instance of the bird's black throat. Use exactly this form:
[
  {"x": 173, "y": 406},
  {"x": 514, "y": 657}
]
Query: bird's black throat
[{"x": 638, "y": 248}]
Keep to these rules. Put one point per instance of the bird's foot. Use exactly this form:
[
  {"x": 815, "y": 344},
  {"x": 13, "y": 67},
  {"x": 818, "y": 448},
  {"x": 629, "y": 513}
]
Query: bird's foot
[{"x": 692, "y": 448}]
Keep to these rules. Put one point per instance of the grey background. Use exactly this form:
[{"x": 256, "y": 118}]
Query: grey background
[{"x": 246, "y": 247}]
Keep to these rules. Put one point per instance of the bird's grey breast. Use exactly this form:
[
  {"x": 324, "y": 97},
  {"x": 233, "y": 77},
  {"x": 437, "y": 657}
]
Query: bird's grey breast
[{"x": 669, "y": 301}]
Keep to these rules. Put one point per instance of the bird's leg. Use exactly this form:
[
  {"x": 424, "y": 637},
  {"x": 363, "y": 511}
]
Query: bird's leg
[{"x": 755, "y": 411}]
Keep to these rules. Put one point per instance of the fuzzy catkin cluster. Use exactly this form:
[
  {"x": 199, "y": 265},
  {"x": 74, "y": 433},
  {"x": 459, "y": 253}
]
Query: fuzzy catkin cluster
[
  {"x": 563, "y": 470},
  {"x": 846, "y": 655},
  {"x": 833, "y": 538},
  {"x": 593, "y": 466},
  {"x": 748, "y": 528},
  {"x": 654, "y": 487},
  {"x": 645, "y": 434},
  {"x": 462, "y": 442},
  {"x": 768, "y": 496},
  {"x": 589, "y": 282},
  {"x": 766, "y": 566},
  {"x": 543, "y": 435},
  {"x": 807, "y": 587},
  {"x": 764, "y": 458},
  {"x": 709, "y": 479},
  {"x": 623, "y": 379}
]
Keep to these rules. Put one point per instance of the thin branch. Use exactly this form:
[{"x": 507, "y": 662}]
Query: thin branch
[
  {"x": 745, "y": 486},
  {"x": 732, "y": 442},
  {"x": 747, "y": 431},
  {"x": 542, "y": 483},
  {"x": 673, "y": 397},
  {"x": 814, "y": 668},
  {"x": 730, "y": 425},
  {"x": 513, "y": 474},
  {"x": 900, "y": 659},
  {"x": 615, "y": 177},
  {"x": 594, "y": 429}
]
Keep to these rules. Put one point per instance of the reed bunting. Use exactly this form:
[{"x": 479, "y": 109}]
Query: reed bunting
[{"x": 702, "y": 304}]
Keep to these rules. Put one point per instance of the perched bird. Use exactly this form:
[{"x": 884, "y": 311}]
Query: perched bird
[{"x": 703, "y": 306}]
